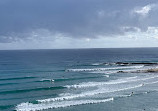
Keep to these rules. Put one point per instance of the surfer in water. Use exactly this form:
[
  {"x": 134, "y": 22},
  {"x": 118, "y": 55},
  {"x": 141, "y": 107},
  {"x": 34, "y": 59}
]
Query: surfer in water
[{"x": 131, "y": 94}]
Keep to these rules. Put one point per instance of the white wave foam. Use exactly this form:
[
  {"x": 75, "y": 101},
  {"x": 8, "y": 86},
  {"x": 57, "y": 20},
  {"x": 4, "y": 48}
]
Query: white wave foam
[
  {"x": 121, "y": 96},
  {"x": 62, "y": 101},
  {"x": 96, "y": 64},
  {"x": 151, "y": 83},
  {"x": 50, "y": 80},
  {"x": 103, "y": 69},
  {"x": 118, "y": 81},
  {"x": 61, "y": 98},
  {"x": 104, "y": 72},
  {"x": 126, "y": 95},
  {"x": 93, "y": 84},
  {"x": 88, "y": 93},
  {"x": 101, "y": 91},
  {"x": 106, "y": 75},
  {"x": 33, "y": 107}
]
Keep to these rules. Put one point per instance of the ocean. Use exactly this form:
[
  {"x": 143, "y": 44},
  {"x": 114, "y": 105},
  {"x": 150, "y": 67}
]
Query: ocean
[{"x": 114, "y": 79}]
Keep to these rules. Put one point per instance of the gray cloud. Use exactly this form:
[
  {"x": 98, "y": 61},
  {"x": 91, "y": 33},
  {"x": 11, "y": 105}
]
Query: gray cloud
[{"x": 72, "y": 18}]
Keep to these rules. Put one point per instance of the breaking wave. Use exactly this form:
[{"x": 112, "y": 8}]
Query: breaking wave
[
  {"x": 104, "y": 69},
  {"x": 93, "y": 84},
  {"x": 88, "y": 93},
  {"x": 47, "y": 80},
  {"x": 33, "y": 107},
  {"x": 118, "y": 81},
  {"x": 68, "y": 100}
]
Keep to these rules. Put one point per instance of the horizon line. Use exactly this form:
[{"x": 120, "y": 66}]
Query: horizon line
[{"x": 76, "y": 48}]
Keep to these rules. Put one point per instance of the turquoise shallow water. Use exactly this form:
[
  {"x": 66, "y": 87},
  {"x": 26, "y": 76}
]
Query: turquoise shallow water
[{"x": 78, "y": 80}]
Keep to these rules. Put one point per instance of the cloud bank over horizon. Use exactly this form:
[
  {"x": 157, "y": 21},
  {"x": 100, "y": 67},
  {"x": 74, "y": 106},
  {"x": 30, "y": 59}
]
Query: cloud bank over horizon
[{"x": 28, "y": 24}]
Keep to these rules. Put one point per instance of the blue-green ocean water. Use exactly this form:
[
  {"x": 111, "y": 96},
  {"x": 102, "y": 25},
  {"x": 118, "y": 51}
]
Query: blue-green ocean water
[{"x": 78, "y": 80}]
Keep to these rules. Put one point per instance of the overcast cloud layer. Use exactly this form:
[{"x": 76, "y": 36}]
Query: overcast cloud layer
[{"x": 65, "y": 21}]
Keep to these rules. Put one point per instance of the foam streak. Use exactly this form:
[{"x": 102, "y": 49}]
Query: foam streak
[{"x": 34, "y": 107}]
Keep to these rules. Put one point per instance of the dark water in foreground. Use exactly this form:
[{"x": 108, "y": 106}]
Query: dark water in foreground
[{"x": 78, "y": 80}]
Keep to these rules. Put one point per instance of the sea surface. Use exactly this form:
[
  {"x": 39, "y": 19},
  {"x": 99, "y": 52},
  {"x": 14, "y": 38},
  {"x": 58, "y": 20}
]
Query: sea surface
[{"x": 79, "y": 80}]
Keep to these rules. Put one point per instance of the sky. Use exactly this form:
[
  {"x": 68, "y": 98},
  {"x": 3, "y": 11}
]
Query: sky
[{"x": 60, "y": 24}]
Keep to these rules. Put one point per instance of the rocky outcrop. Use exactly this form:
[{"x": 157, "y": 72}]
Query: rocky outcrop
[{"x": 154, "y": 70}]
